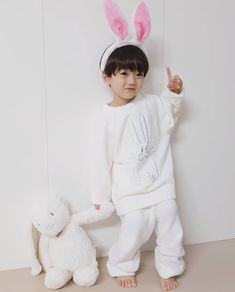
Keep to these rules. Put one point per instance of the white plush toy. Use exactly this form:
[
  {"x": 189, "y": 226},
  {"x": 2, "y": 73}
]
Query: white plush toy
[{"x": 65, "y": 250}]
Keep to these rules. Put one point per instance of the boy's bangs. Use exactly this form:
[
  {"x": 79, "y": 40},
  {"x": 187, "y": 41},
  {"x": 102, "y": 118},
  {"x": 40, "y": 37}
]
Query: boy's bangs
[{"x": 131, "y": 64}]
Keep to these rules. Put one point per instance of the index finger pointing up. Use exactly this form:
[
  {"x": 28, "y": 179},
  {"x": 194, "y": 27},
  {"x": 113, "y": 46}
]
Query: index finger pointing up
[{"x": 169, "y": 73}]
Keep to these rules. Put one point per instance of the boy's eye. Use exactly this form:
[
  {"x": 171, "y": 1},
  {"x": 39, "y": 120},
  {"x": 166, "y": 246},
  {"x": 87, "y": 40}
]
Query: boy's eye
[
  {"x": 123, "y": 73},
  {"x": 140, "y": 74}
]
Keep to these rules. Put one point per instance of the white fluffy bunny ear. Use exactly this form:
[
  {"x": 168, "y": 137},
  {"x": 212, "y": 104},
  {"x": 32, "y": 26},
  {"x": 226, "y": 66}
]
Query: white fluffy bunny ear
[
  {"x": 142, "y": 22},
  {"x": 115, "y": 19}
]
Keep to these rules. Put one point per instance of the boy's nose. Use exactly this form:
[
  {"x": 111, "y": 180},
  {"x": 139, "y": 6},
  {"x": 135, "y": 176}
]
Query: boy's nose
[{"x": 131, "y": 79}]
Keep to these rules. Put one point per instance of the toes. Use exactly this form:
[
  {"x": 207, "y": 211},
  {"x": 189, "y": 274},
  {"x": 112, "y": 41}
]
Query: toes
[
  {"x": 134, "y": 284},
  {"x": 175, "y": 284},
  {"x": 164, "y": 286},
  {"x": 169, "y": 284},
  {"x": 128, "y": 284}
]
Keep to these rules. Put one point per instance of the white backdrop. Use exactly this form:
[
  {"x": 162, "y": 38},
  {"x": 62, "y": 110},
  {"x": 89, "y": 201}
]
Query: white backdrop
[{"x": 50, "y": 86}]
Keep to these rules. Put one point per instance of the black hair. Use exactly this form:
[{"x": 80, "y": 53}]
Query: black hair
[{"x": 126, "y": 57}]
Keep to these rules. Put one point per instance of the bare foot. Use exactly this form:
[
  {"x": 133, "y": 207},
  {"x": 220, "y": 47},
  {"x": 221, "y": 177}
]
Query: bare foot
[
  {"x": 127, "y": 281},
  {"x": 168, "y": 284}
]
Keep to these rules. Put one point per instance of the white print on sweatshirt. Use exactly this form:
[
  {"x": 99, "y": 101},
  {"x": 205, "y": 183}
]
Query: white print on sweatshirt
[{"x": 143, "y": 159}]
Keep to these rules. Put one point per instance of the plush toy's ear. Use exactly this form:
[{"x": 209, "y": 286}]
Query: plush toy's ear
[
  {"x": 60, "y": 197},
  {"x": 142, "y": 23},
  {"x": 115, "y": 19},
  {"x": 34, "y": 239}
]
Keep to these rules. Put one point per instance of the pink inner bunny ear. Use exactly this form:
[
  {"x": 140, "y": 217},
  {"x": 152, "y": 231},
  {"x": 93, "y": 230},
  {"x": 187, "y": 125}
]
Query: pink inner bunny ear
[
  {"x": 115, "y": 19},
  {"x": 142, "y": 22}
]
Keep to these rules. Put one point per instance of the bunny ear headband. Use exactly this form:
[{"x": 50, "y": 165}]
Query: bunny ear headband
[{"x": 119, "y": 26}]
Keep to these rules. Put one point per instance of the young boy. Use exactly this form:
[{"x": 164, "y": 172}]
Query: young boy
[{"x": 132, "y": 166}]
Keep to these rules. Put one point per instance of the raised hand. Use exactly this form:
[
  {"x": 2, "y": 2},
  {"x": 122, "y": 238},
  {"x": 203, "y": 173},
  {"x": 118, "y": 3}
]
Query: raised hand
[
  {"x": 175, "y": 83},
  {"x": 97, "y": 207}
]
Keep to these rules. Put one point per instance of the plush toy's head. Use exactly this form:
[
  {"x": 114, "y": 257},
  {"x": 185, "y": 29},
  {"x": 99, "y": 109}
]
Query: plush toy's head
[{"x": 50, "y": 215}]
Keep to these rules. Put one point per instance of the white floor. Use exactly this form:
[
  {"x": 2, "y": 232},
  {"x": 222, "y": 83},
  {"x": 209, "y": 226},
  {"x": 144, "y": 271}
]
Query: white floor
[{"x": 210, "y": 268}]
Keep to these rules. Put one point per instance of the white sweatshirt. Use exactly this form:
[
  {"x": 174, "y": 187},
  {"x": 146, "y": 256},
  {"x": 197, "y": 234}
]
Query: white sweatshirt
[{"x": 132, "y": 163}]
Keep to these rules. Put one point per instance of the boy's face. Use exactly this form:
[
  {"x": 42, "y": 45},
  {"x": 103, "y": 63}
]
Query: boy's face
[{"x": 125, "y": 84}]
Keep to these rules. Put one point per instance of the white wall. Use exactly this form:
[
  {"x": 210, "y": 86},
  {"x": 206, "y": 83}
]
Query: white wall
[
  {"x": 23, "y": 154},
  {"x": 51, "y": 84},
  {"x": 200, "y": 44}
]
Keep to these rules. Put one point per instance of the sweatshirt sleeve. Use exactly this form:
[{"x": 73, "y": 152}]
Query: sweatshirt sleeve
[
  {"x": 172, "y": 103},
  {"x": 101, "y": 161}
]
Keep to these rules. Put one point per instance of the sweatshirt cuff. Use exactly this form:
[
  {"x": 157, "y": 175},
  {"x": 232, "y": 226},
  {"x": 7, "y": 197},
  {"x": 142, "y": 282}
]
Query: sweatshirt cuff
[{"x": 173, "y": 97}]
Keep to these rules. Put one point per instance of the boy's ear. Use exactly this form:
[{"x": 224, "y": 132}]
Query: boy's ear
[{"x": 105, "y": 78}]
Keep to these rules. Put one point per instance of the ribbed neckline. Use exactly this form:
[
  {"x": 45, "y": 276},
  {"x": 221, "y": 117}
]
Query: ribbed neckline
[{"x": 123, "y": 107}]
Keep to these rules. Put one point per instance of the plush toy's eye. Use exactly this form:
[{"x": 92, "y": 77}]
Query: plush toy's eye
[{"x": 52, "y": 214}]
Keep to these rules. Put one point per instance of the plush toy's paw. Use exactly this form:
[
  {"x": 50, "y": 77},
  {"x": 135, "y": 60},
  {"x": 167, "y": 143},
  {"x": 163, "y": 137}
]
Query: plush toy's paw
[
  {"x": 36, "y": 268},
  {"x": 86, "y": 276},
  {"x": 56, "y": 278}
]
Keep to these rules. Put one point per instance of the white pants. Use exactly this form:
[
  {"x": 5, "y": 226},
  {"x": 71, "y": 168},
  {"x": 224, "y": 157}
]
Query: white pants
[{"x": 136, "y": 229}]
